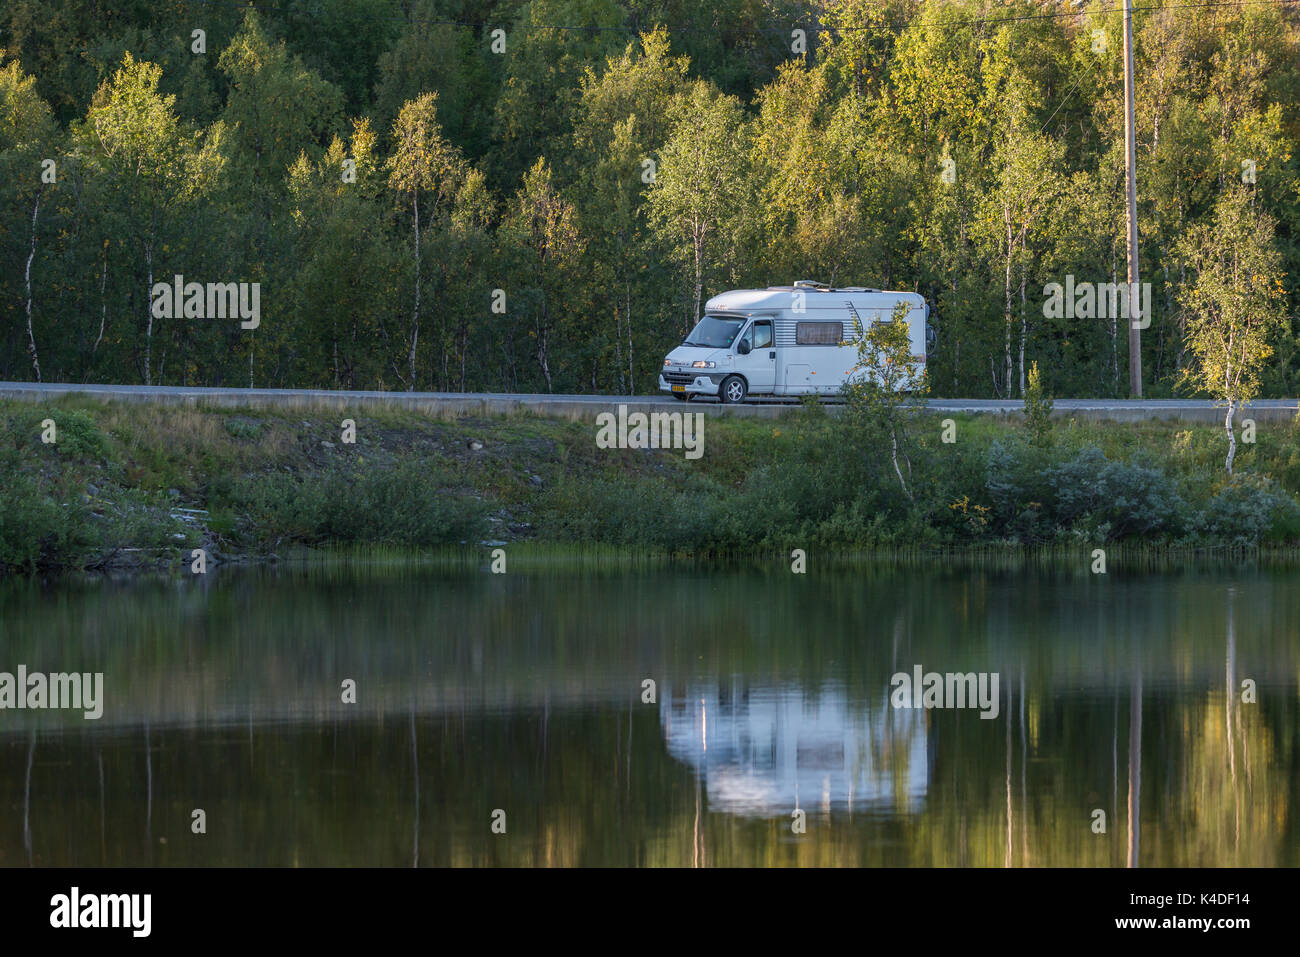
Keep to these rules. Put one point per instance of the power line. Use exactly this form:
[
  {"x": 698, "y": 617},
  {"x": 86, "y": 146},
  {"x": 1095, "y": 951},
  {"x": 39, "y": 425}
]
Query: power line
[{"x": 1068, "y": 93}]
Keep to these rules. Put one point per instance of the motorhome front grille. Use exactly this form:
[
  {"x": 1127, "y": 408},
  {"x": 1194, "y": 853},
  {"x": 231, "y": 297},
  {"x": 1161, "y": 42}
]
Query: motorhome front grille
[{"x": 679, "y": 378}]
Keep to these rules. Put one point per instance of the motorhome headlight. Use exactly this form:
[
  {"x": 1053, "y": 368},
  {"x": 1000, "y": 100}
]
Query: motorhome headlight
[
  {"x": 701, "y": 364},
  {"x": 668, "y": 362}
]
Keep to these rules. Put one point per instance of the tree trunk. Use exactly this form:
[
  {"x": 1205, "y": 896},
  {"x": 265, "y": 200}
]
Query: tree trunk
[
  {"x": 631, "y": 375},
  {"x": 415, "y": 316},
  {"x": 443, "y": 343},
  {"x": 543, "y": 341},
  {"x": 699, "y": 270},
  {"x": 956, "y": 346},
  {"x": 1114, "y": 333},
  {"x": 464, "y": 347},
  {"x": 893, "y": 436},
  {"x": 543, "y": 359},
  {"x": 1024, "y": 329},
  {"x": 1006, "y": 289},
  {"x": 103, "y": 303},
  {"x": 618, "y": 347},
  {"x": 148, "y": 309},
  {"x": 1232, "y": 436},
  {"x": 31, "y": 337}
]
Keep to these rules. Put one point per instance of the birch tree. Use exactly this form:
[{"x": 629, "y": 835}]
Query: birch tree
[
  {"x": 1234, "y": 305},
  {"x": 542, "y": 230},
  {"x": 27, "y": 133},
  {"x": 621, "y": 126},
  {"x": 150, "y": 165},
  {"x": 344, "y": 257},
  {"x": 699, "y": 191},
  {"x": 886, "y": 378},
  {"x": 424, "y": 165},
  {"x": 1027, "y": 184}
]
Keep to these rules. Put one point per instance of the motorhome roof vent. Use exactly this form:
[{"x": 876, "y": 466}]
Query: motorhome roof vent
[
  {"x": 854, "y": 289},
  {"x": 809, "y": 284}
]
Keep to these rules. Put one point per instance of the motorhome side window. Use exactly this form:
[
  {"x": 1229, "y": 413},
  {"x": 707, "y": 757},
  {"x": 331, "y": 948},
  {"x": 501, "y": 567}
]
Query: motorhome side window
[{"x": 818, "y": 333}]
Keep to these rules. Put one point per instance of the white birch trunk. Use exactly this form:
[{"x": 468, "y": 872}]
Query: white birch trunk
[
  {"x": 415, "y": 315},
  {"x": 31, "y": 336}
]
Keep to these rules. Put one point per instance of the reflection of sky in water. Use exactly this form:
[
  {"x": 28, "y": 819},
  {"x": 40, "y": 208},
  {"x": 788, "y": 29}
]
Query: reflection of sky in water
[{"x": 763, "y": 751}]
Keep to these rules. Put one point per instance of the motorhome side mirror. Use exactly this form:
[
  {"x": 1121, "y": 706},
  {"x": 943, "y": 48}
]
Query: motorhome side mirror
[{"x": 743, "y": 348}]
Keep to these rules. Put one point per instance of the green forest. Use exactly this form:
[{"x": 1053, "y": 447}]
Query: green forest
[{"x": 539, "y": 196}]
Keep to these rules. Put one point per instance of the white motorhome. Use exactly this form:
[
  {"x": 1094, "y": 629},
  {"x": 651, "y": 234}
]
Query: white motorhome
[{"x": 783, "y": 340}]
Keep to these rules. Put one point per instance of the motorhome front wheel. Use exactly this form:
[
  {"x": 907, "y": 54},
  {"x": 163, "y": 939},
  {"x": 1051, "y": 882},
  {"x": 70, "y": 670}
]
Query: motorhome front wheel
[{"x": 733, "y": 389}]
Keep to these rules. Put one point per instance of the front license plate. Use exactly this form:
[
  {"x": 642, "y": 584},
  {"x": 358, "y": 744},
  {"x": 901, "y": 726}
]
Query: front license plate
[{"x": 679, "y": 388}]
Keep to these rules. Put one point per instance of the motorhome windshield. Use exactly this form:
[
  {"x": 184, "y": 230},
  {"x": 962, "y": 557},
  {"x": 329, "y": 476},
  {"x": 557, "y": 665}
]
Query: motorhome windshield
[{"x": 714, "y": 332}]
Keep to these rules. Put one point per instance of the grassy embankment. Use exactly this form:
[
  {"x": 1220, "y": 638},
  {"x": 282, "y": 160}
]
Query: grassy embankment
[{"x": 138, "y": 485}]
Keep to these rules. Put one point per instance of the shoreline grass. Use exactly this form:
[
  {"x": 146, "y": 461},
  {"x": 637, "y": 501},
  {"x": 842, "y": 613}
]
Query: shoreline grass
[{"x": 129, "y": 487}]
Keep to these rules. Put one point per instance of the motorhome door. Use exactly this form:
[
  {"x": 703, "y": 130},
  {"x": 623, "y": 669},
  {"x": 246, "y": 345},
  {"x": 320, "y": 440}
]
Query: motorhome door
[{"x": 756, "y": 356}]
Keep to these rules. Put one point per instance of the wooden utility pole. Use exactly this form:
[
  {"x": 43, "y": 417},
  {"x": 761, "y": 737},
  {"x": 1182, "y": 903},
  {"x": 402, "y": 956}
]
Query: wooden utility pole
[{"x": 1135, "y": 319}]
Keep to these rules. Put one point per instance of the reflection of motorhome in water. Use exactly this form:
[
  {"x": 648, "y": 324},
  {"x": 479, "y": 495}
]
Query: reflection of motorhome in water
[
  {"x": 783, "y": 341},
  {"x": 761, "y": 752}
]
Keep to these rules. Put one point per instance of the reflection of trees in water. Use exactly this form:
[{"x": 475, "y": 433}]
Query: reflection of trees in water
[
  {"x": 524, "y": 698},
  {"x": 1135, "y": 768},
  {"x": 610, "y": 791},
  {"x": 1238, "y": 777}
]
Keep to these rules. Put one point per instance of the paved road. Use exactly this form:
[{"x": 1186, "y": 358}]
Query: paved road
[{"x": 454, "y": 404}]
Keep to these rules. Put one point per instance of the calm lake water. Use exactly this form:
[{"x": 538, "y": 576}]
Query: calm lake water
[{"x": 523, "y": 693}]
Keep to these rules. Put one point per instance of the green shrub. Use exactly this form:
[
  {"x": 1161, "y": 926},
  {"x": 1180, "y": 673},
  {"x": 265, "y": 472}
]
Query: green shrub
[
  {"x": 1247, "y": 512},
  {"x": 1038, "y": 410},
  {"x": 30, "y": 522},
  {"x": 79, "y": 436},
  {"x": 243, "y": 428},
  {"x": 43, "y": 522},
  {"x": 400, "y": 506},
  {"x": 76, "y": 436},
  {"x": 277, "y": 507},
  {"x": 403, "y": 505},
  {"x": 648, "y": 514},
  {"x": 1122, "y": 498},
  {"x": 1037, "y": 500}
]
